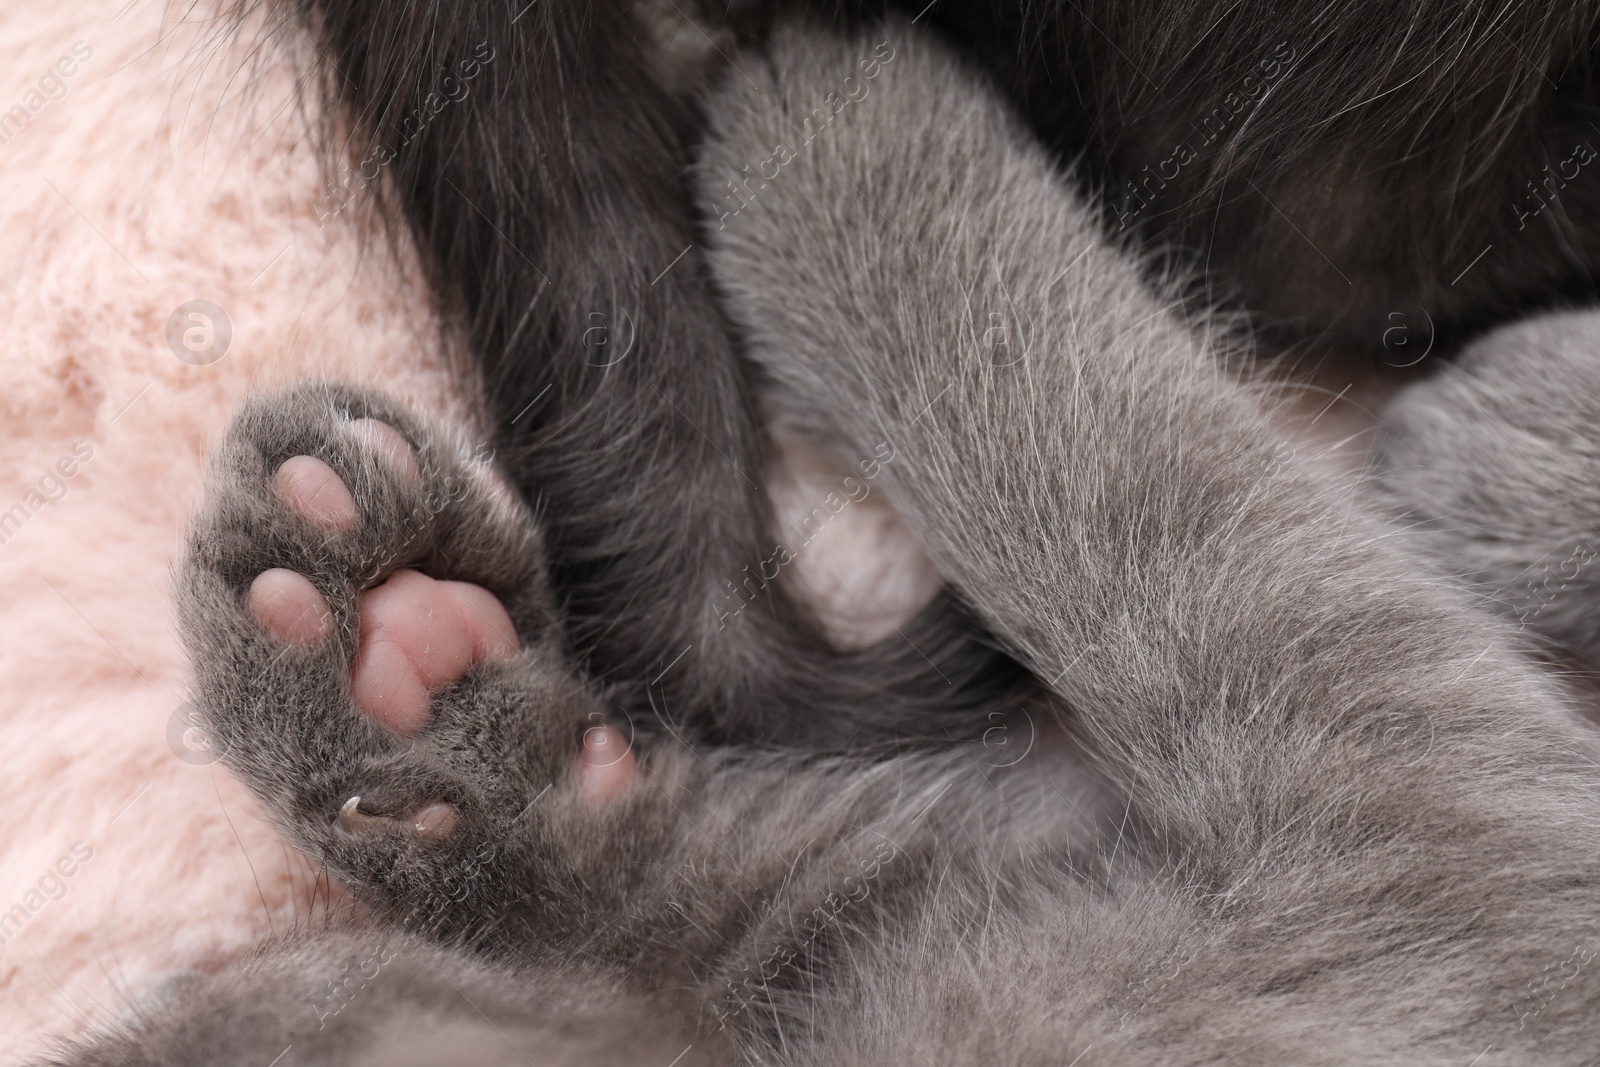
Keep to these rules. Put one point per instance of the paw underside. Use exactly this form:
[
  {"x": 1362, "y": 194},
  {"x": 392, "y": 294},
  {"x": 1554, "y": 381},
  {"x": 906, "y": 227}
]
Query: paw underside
[{"x": 375, "y": 652}]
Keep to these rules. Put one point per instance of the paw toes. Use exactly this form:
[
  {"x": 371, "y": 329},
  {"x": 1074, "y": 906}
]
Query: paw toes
[
  {"x": 316, "y": 492},
  {"x": 289, "y": 607},
  {"x": 607, "y": 765},
  {"x": 387, "y": 442}
]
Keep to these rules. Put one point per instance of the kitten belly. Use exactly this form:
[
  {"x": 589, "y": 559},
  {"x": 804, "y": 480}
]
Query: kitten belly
[{"x": 854, "y": 558}]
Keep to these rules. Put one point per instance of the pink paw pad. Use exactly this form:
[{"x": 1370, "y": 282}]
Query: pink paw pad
[
  {"x": 387, "y": 442},
  {"x": 417, "y": 634},
  {"x": 289, "y": 607},
  {"x": 316, "y": 491}
]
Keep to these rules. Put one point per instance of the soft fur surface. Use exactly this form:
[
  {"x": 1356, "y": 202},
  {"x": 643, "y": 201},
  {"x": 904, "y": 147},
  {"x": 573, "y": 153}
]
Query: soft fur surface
[
  {"x": 1495, "y": 461},
  {"x": 189, "y": 163}
]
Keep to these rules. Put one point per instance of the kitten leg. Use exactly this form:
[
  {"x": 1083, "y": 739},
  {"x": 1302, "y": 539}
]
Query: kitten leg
[
  {"x": 376, "y": 653},
  {"x": 1496, "y": 462},
  {"x": 1366, "y": 789}
]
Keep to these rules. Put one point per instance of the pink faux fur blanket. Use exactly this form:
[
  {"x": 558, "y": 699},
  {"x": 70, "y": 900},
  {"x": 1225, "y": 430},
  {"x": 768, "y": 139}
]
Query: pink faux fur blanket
[{"x": 139, "y": 172}]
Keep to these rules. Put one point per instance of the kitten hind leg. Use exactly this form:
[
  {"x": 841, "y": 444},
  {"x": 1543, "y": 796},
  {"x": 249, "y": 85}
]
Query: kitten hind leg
[
  {"x": 1495, "y": 464},
  {"x": 1372, "y": 790}
]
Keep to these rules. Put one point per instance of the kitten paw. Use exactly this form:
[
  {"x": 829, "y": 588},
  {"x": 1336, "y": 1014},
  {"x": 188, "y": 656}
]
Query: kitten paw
[{"x": 377, "y": 651}]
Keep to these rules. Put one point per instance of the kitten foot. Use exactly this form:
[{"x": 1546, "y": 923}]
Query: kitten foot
[
  {"x": 416, "y": 633},
  {"x": 377, "y": 648}
]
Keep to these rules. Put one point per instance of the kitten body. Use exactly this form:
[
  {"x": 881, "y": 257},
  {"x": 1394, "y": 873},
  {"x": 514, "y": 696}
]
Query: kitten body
[{"x": 1317, "y": 808}]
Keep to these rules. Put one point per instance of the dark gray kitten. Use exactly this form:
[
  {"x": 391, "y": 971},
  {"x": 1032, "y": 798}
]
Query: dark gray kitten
[{"x": 1312, "y": 805}]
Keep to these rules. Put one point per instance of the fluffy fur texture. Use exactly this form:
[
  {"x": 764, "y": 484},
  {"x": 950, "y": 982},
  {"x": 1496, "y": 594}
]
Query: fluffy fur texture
[
  {"x": 1496, "y": 460},
  {"x": 1330, "y": 813},
  {"x": 164, "y": 173},
  {"x": 1340, "y": 766}
]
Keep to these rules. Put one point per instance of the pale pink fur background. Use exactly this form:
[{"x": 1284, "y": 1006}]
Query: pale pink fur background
[{"x": 165, "y": 174}]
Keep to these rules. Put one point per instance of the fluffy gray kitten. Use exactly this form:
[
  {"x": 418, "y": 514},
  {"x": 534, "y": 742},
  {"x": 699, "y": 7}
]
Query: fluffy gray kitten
[{"x": 1309, "y": 804}]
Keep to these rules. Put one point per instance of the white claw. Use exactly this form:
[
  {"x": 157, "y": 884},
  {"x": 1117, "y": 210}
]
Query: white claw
[
  {"x": 435, "y": 822},
  {"x": 354, "y": 821}
]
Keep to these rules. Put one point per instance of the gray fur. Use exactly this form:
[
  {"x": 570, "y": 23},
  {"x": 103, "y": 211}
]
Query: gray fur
[
  {"x": 1380, "y": 818},
  {"x": 1329, "y": 814},
  {"x": 1496, "y": 461}
]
